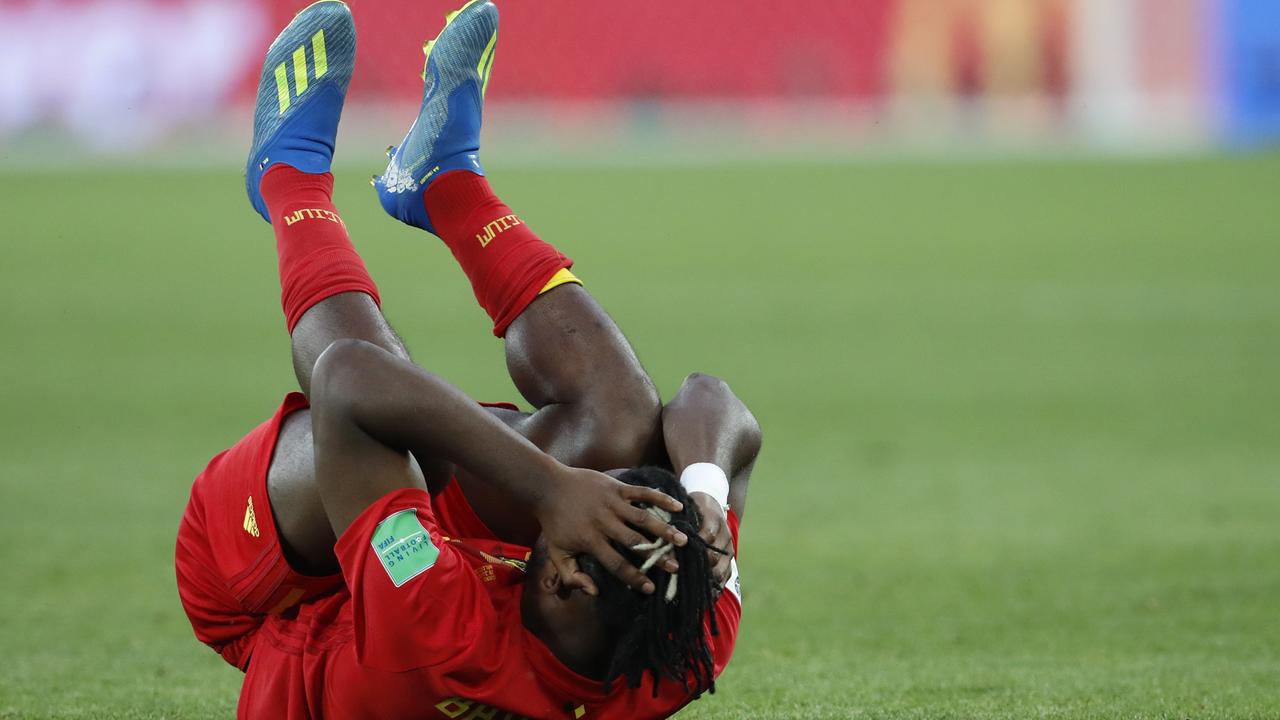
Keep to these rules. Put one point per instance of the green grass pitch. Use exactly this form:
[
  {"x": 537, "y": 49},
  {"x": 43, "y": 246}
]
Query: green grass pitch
[{"x": 1022, "y": 419}]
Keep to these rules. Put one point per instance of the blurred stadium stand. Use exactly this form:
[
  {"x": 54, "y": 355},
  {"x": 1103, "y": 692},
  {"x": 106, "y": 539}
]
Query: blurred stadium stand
[{"x": 671, "y": 80}]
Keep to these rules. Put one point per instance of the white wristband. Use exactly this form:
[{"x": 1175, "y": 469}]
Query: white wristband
[{"x": 707, "y": 478}]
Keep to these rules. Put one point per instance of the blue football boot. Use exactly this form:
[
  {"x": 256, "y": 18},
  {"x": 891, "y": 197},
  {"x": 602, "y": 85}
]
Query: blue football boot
[
  {"x": 304, "y": 83},
  {"x": 446, "y": 134}
]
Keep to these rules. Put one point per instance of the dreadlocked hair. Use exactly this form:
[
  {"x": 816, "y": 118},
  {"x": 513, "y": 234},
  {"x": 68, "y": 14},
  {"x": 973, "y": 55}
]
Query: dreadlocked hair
[{"x": 660, "y": 634}]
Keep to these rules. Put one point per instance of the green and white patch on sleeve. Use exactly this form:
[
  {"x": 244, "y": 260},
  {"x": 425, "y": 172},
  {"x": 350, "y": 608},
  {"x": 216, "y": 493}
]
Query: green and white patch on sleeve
[{"x": 404, "y": 546}]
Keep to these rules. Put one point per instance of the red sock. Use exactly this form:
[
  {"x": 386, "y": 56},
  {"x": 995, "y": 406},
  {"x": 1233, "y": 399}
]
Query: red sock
[
  {"x": 505, "y": 261},
  {"x": 317, "y": 259}
]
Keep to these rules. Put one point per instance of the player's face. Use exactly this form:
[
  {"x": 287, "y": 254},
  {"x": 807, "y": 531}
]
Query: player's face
[{"x": 564, "y": 618}]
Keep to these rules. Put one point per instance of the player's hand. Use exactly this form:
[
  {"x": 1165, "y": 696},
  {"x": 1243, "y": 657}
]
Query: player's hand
[
  {"x": 583, "y": 510},
  {"x": 715, "y": 532}
]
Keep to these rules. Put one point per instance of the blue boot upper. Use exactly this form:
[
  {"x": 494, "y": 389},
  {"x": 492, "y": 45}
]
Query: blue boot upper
[
  {"x": 446, "y": 134},
  {"x": 301, "y": 93}
]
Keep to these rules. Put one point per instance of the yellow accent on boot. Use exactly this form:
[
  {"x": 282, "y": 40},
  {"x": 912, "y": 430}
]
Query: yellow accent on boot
[
  {"x": 282, "y": 87},
  {"x": 300, "y": 69},
  {"x": 485, "y": 66},
  {"x": 317, "y": 49}
]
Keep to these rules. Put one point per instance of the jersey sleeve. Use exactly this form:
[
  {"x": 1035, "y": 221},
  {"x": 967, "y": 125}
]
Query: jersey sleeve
[
  {"x": 728, "y": 608},
  {"x": 415, "y": 600}
]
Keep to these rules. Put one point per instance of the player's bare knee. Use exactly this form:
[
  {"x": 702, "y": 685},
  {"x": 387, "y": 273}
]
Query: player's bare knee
[{"x": 330, "y": 382}]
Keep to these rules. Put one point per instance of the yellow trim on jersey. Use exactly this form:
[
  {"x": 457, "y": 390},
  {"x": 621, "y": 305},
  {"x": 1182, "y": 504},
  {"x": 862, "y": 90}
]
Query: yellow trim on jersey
[{"x": 562, "y": 277}]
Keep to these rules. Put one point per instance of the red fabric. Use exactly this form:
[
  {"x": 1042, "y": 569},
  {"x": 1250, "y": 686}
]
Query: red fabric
[
  {"x": 317, "y": 259},
  {"x": 456, "y": 517},
  {"x": 505, "y": 261},
  {"x": 229, "y": 579},
  {"x": 448, "y": 642}
]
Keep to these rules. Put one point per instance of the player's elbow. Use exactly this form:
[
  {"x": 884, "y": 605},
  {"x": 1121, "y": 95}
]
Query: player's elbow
[
  {"x": 752, "y": 435},
  {"x": 706, "y": 383},
  {"x": 715, "y": 392},
  {"x": 710, "y": 391}
]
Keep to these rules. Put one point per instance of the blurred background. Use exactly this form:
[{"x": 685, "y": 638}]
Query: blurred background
[
  {"x": 674, "y": 80},
  {"x": 998, "y": 277}
]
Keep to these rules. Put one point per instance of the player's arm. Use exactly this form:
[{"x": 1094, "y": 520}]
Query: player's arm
[
  {"x": 707, "y": 423},
  {"x": 370, "y": 408}
]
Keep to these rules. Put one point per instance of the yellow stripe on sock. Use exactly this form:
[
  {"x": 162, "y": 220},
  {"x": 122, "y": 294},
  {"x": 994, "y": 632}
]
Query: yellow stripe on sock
[
  {"x": 317, "y": 49},
  {"x": 562, "y": 277},
  {"x": 282, "y": 87},
  {"x": 300, "y": 69}
]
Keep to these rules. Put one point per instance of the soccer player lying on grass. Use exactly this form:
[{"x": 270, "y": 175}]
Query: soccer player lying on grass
[{"x": 425, "y": 624}]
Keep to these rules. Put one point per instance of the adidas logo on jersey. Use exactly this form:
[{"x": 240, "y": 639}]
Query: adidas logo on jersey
[{"x": 251, "y": 520}]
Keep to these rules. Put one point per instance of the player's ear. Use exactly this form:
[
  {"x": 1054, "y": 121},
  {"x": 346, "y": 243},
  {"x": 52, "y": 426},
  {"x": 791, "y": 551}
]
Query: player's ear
[{"x": 549, "y": 582}]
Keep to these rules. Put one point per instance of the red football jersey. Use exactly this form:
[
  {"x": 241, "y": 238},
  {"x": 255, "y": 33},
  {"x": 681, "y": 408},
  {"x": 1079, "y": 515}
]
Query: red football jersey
[{"x": 430, "y": 628}]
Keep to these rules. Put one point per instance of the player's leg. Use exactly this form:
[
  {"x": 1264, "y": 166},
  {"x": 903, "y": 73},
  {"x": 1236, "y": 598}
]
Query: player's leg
[
  {"x": 595, "y": 402},
  {"x": 596, "y": 406},
  {"x": 233, "y": 538},
  {"x": 326, "y": 292}
]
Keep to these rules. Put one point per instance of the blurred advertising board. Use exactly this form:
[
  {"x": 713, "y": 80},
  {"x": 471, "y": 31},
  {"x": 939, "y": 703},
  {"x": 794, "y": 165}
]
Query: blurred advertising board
[
  {"x": 118, "y": 74},
  {"x": 1251, "y": 62}
]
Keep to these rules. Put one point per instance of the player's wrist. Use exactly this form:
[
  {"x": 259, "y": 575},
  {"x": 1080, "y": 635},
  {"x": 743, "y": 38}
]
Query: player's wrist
[
  {"x": 550, "y": 477},
  {"x": 707, "y": 479}
]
